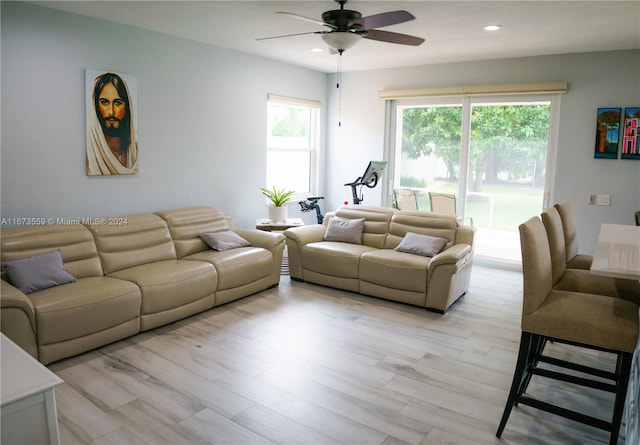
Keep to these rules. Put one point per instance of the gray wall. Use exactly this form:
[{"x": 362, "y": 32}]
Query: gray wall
[
  {"x": 201, "y": 118},
  {"x": 596, "y": 80}
]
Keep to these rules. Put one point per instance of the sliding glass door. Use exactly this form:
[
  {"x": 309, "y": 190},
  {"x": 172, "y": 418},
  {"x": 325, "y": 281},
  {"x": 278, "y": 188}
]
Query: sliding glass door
[
  {"x": 428, "y": 160},
  {"x": 490, "y": 154}
]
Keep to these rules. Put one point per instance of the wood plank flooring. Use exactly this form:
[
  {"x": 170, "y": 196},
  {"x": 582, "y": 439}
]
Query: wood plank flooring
[{"x": 304, "y": 364}]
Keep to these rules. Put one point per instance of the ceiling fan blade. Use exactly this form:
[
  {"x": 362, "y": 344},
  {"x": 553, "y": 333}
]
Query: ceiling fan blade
[
  {"x": 291, "y": 35},
  {"x": 392, "y": 37},
  {"x": 306, "y": 19},
  {"x": 384, "y": 19}
]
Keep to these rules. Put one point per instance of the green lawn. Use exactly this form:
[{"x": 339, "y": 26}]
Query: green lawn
[{"x": 499, "y": 208}]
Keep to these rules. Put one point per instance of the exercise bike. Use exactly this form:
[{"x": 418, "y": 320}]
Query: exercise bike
[
  {"x": 369, "y": 179},
  {"x": 312, "y": 204}
]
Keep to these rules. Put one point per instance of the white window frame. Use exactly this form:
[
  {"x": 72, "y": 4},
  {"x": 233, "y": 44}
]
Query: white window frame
[
  {"x": 313, "y": 146},
  {"x": 394, "y": 122}
]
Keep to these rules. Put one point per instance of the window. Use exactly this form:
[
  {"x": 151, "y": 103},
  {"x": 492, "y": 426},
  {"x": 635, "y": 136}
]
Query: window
[
  {"x": 293, "y": 129},
  {"x": 488, "y": 152}
]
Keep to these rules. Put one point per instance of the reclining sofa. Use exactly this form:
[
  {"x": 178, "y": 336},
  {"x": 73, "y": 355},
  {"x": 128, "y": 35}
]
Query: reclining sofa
[
  {"x": 372, "y": 265},
  {"x": 129, "y": 274}
]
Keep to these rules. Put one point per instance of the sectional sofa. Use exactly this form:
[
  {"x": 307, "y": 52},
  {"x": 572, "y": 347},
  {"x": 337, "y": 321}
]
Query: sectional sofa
[
  {"x": 419, "y": 258},
  {"x": 90, "y": 283}
]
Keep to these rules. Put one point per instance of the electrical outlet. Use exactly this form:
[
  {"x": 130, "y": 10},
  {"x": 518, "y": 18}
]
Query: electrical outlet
[
  {"x": 604, "y": 200},
  {"x": 592, "y": 200}
]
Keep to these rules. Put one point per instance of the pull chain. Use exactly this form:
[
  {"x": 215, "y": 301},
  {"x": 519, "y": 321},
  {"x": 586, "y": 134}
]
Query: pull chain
[{"x": 339, "y": 89}]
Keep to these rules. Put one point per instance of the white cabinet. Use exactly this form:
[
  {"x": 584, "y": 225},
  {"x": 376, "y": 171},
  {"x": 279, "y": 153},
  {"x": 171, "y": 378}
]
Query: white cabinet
[{"x": 28, "y": 401}]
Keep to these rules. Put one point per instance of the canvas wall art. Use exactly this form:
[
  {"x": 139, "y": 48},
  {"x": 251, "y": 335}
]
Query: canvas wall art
[
  {"x": 111, "y": 108},
  {"x": 630, "y": 139},
  {"x": 607, "y": 133}
]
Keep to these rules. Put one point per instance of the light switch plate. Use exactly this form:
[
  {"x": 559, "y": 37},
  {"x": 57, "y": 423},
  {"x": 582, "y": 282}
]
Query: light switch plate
[{"x": 604, "y": 200}]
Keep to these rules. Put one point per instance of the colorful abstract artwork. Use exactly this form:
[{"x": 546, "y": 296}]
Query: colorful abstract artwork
[
  {"x": 607, "y": 133},
  {"x": 630, "y": 139}
]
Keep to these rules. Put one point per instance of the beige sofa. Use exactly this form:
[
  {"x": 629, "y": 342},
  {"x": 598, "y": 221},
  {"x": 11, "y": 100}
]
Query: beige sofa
[
  {"x": 133, "y": 273},
  {"x": 375, "y": 268}
]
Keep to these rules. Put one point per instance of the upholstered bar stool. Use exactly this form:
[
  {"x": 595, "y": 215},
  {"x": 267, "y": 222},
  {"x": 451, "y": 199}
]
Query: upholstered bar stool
[
  {"x": 574, "y": 260},
  {"x": 580, "y": 319},
  {"x": 581, "y": 280}
]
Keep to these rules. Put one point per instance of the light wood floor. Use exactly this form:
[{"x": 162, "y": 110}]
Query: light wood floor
[{"x": 304, "y": 364}]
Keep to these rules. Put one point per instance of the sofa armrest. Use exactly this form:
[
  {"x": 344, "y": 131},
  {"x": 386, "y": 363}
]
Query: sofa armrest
[
  {"x": 260, "y": 238},
  {"x": 296, "y": 239},
  {"x": 273, "y": 242},
  {"x": 18, "y": 318},
  {"x": 448, "y": 276},
  {"x": 305, "y": 234},
  {"x": 465, "y": 235},
  {"x": 452, "y": 255}
]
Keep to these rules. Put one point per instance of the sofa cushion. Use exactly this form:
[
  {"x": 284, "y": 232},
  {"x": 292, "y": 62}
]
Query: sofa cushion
[
  {"x": 226, "y": 240},
  {"x": 423, "y": 223},
  {"x": 84, "y": 307},
  {"x": 333, "y": 258},
  {"x": 424, "y": 245},
  {"x": 142, "y": 240},
  {"x": 344, "y": 230},
  {"x": 75, "y": 242},
  {"x": 395, "y": 270},
  {"x": 186, "y": 225},
  {"x": 37, "y": 272},
  {"x": 376, "y": 222},
  {"x": 168, "y": 284},
  {"x": 237, "y": 267}
]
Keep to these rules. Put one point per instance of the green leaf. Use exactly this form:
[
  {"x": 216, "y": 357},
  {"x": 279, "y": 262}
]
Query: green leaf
[{"x": 278, "y": 197}]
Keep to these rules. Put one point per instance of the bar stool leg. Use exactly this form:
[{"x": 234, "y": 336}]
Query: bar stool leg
[
  {"x": 623, "y": 371},
  {"x": 527, "y": 343},
  {"x": 538, "y": 343}
]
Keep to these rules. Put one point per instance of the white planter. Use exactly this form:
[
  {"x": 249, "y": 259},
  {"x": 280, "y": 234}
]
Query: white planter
[{"x": 278, "y": 213}]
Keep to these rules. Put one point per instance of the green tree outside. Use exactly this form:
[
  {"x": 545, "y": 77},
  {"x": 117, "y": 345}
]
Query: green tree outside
[
  {"x": 505, "y": 139},
  {"x": 291, "y": 122}
]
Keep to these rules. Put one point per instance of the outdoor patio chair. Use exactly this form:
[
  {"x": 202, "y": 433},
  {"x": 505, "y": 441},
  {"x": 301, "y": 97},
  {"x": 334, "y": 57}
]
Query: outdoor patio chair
[{"x": 406, "y": 199}]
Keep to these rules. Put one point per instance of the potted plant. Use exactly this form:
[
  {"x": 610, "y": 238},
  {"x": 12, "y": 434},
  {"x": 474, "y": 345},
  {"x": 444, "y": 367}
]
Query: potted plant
[{"x": 278, "y": 198}]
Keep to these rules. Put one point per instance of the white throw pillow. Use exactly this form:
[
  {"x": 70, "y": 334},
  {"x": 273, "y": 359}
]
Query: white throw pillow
[
  {"x": 423, "y": 245},
  {"x": 344, "y": 230},
  {"x": 226, "y": 240}
]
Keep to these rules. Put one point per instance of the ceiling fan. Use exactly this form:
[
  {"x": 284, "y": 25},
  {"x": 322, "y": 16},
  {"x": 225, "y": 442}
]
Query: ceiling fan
[{"x": 347, "y": 27}]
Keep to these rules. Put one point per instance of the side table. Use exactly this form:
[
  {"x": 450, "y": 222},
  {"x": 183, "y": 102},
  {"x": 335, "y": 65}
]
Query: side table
[{"x": 268, "y": 226}]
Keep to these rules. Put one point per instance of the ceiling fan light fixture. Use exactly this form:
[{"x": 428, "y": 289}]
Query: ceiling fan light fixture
[{"x": 341, "y": 40}]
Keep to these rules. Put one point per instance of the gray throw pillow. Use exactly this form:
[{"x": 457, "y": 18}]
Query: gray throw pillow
[
  {"x": 345, "y": 230},
  {"x": 222, "y": 241},
  {"x": 423, "y": 245},
  {"x": 37, "y": 272}
]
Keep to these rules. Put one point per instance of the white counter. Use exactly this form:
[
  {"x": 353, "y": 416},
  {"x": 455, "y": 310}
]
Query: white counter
[{"x": 27, "y": 398}]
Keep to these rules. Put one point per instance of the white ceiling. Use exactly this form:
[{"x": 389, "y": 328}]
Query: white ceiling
[{"x": 452, "y": 29}]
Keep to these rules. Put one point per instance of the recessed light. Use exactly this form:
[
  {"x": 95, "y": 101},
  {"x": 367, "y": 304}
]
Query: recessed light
[
  {"x": 491, "y": 27},
  {"x": 316, "y": 50}
]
